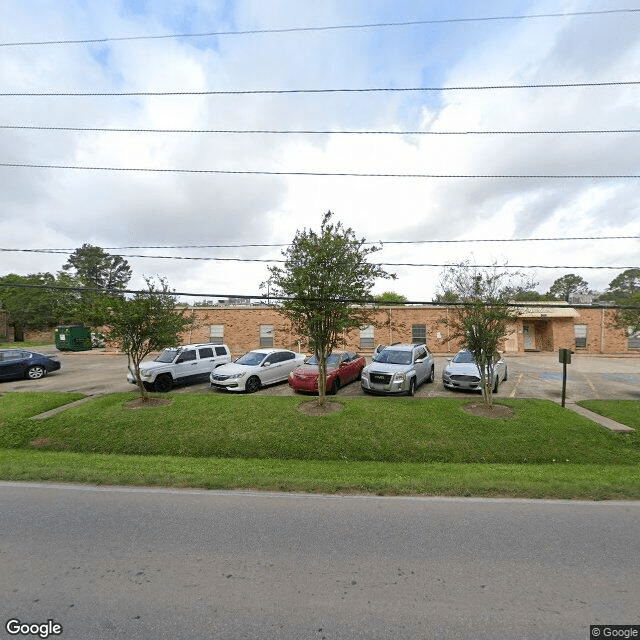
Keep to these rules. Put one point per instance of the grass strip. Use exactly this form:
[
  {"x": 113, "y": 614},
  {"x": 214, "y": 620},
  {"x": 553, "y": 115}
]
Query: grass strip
[
  {"x": 561, "y": 481},
  {"x": 365, "y": 430}
]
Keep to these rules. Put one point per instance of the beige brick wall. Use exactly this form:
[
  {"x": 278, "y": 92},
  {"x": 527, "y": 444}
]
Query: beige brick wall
[{"x": 393, "y": 324}]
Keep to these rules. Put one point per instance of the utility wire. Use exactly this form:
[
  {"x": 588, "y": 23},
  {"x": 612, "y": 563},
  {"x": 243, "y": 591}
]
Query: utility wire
[
  {"x": 383, "y": 264},
  {"x": 228, "y": 92},
  {"x": 374, "y": 25},
  {"x": 377, "y": 242},
  {"x": 328, "y": 173},
  {"x": 369, "y": 301},
  {"x": 323, "y": 131}
]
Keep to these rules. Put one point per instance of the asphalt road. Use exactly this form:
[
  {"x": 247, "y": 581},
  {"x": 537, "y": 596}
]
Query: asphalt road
[
  {"x": 535, "y": 375},
  {"x": 136, "y": 563}
]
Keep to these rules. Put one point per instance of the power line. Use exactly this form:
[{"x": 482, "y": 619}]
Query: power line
[
  {"x": 323, "y": 131},
  {"x": 383, "y": 264},
  {"x": 369, "y": 301},
  {"x": 328, "y": 173},
  {"x": 374, "y": 25},
  {"x": 231, "y": 92},
  {"x": 383, "y": 242}
]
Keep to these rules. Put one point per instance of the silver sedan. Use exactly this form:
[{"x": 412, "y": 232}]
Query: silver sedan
[{"x": 462, "y": 372}]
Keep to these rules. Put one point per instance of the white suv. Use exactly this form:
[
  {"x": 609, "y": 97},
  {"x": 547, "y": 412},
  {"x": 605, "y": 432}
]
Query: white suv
[{"x": 190, "y": 362}]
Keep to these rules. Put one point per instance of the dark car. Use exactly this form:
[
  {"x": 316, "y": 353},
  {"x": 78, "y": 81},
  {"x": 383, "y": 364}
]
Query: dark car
[
  {"x": 342, "y": 367},
  {"x": 17, "y": 363}
]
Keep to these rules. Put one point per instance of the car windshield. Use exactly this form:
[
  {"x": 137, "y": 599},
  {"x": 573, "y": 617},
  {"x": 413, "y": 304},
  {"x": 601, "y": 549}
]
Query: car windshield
[
  {"x": 464, "y": 357},
  {"x": 253, "y": 358},
  {"x": 392, "y": 356},
  {"x": 332, "y": 361},
  {"x": 167, "y": 355}
]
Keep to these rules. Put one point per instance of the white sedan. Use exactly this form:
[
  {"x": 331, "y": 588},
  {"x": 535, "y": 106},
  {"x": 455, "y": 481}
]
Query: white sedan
[{"x": 256, "y": 369}]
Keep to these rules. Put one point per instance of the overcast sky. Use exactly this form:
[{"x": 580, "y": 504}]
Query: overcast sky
[{"x": 64, "y": 208}]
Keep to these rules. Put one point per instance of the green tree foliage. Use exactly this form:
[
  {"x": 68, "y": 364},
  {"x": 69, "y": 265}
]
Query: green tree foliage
[
  {"x": 93, "y": 268},
  {"x": 624, "y": 290},
  {"x": 623, "y": 287},
  {"x": 390, "y": 297},
  {"x": 34, "y": 302},
  {"x": 323, "y": 275},
  {"x": 147, "y": 322},
  {"x": 482, "y": 315},
  {"x": 564, "y": 287}
]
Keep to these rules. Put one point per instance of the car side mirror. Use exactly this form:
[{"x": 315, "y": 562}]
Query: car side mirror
[
  {"x": 419, "y": 361},
  {"x": 266, "y": 364}
]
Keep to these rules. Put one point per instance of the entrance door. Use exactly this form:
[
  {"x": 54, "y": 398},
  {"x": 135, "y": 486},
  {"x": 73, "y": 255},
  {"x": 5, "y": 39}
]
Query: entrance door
[{"x": 529, "y": 337}]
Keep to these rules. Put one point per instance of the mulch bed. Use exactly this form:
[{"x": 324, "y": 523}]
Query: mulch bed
[
  {"x": 312, "y": 408},
  {"x": 496, "y": 411},
  {"x": 137, "y": 403}
]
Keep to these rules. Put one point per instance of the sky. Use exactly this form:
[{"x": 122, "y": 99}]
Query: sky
[{"x": 64, "y": 208}]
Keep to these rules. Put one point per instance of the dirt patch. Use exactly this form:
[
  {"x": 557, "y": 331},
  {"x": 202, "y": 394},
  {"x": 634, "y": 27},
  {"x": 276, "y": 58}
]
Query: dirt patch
[
  {"x": 314, "y": 409},
  {"x": 138, "y": 403},
  {"x": 497, "y": 411}
]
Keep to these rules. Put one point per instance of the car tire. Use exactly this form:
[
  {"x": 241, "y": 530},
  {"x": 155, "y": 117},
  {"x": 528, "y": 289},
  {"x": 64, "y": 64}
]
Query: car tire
[
  {"x": 163, "y": 383},
  {"x": 412, "y": 387},
  {"x": 432, "y": 375},
  {"x": 496, "y": 384},
  {"x": 253, "y": 384},
  {"x": 505, "y": 374},
  {"x": 35, "y": 372},
  {"x": 335, "y": 385}
]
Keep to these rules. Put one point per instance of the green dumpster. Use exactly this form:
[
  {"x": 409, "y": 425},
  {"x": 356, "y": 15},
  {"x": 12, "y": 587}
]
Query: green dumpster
[{"x": 73, "y": 337}]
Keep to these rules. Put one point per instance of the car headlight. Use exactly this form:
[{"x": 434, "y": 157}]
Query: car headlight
[
  {"x": 144, "y": 374},
  {"x": 235, "y": 376},
  {"x": 399, "y": 377}
]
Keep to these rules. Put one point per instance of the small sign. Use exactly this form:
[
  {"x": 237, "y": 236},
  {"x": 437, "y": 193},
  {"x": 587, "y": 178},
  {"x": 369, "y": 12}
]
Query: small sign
[{"x": 564, "y": 356}]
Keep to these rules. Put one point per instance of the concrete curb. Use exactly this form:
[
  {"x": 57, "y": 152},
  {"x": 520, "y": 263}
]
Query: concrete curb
[{"x": 612, "y": 425}]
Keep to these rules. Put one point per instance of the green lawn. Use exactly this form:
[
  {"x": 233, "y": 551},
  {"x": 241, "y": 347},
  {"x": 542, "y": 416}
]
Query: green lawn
[
  {"x": 379, "y": 445},
  {"x": 623, "y": 411}
]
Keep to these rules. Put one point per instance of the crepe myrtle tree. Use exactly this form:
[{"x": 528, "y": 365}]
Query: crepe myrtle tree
[
  {"x": 324, "y": 285},
  {"x": 481, "y": 314},
  {"x": 147, "y": 322}
]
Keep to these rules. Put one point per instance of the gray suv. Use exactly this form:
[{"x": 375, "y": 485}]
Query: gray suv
[{"x": 399, "y": 368}]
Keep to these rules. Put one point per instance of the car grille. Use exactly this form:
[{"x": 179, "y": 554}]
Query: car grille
[
  {"x": 380, "y": 378},
  {"x": 459, "y": 378},
  {"x": 219, "y": 378}
]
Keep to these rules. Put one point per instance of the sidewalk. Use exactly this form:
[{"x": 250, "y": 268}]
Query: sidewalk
[{"x": 612, "y": 425}]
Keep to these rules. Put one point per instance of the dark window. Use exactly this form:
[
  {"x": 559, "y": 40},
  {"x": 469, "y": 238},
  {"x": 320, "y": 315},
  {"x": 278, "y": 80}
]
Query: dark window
[
  {"x": 287, "y": 355},
  {"x": 186, "y": 356},
  {"x": 221, "y": 351},
  {"x": 205, "y": 352},
  {"x": 419, "y": 333}
]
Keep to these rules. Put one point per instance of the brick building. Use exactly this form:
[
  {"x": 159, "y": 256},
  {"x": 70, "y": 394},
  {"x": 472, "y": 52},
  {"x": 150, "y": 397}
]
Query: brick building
[{"x": 544, "y": 328}]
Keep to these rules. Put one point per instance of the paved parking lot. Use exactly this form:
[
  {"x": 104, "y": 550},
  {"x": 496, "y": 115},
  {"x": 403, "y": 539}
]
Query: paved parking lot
[{"x": 534, "y": 375}]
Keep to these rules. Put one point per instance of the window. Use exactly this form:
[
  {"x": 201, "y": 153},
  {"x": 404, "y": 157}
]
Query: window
[
  {"x": 634, "y": 339},
  {"x": 187, "y": 356},
  {"x": 221, "y": 351},
  {"x": 366, "y": 337},
  {"x": 216, "y": 333},
  {"x": 419, "y": 333},
  {"x": 580, "y": 331},
  {"x": 205, "y": 352},
  {"x": 266, "y": 335}
]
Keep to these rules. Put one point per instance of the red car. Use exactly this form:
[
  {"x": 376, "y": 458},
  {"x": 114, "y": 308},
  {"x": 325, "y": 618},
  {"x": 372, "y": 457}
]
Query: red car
[{"x": 342, "y": 367}]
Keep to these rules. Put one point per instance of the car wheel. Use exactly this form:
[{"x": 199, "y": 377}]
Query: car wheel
[
  {"x": 412, "y": 387},
  {"x": 335, "y": 385},
  {"x": 505, "y": 374},
  {"x": 36, "y": 372},
  {"x": 496, "y": 384},
  {"x": 252, "y": 385},
  {"x": 359, "y": 376},
  {"x": 163, "y": 383},
  {"x": 432, "y": 374}
]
